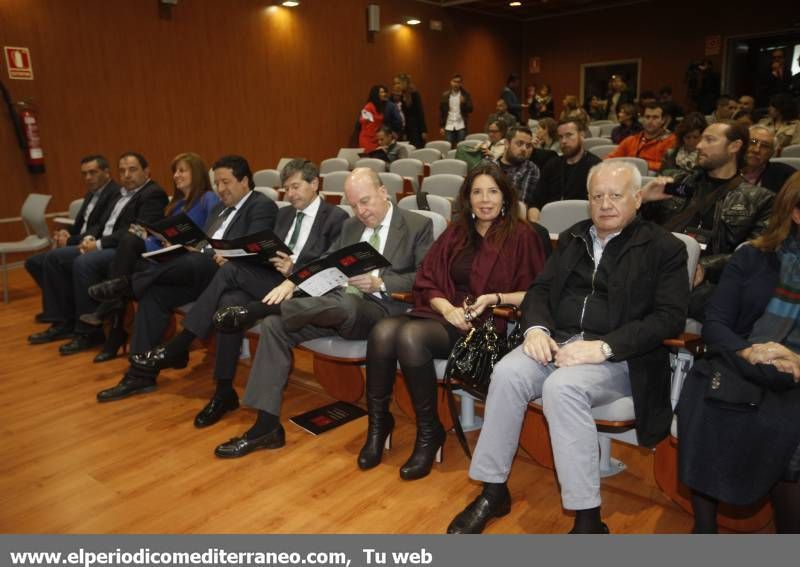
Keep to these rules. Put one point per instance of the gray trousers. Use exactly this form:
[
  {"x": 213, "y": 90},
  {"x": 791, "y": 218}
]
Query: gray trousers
[
  {"x": 303, "y": 319},
  {"x": 568, "y": 394}
]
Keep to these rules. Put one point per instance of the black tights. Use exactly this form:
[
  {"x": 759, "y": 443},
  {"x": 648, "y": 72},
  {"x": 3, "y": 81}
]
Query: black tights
[
  {"x": 412, "y": 342},
  {"x": 785, "y": 499}
]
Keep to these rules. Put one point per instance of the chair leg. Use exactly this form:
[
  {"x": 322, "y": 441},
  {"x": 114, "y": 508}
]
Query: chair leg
[
  {"x": 469, "y": 421},
  {"x": 5, "y": 278},
  {"x": 609, "y": 466}
]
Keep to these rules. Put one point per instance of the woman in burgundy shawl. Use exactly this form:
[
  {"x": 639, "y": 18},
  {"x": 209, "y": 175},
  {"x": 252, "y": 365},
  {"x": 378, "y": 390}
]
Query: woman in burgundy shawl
[{"x": 488, "y": 254}]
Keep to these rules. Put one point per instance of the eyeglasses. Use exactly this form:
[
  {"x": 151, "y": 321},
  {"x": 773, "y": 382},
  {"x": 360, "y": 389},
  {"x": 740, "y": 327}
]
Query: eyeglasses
[
  {"x": 760, "y": 144},
  {"x": 493, "y": 130}
]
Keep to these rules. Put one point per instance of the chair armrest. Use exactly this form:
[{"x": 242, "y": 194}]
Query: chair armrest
[
  {"x": 404, "y": 296},
  {"x": 689, "y": 341},
  {"x": 505, "y": 313}
]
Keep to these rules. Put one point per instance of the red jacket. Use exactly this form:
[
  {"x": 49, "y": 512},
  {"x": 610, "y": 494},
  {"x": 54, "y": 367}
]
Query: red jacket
[
  {"x": 652, "y": 151},
  {"x": 511, "y": 268},
  {"x": 371, "y": 121}
]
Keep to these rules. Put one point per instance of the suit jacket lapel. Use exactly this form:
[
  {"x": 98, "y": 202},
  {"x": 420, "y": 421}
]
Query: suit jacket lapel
[
  {"x": 397, "y": 232},
  {"x": 284, "y": 222}
]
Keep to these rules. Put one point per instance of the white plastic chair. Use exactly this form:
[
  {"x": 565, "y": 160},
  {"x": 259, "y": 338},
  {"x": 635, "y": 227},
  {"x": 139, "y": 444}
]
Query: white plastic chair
[
  {"x": 74, "y": 208},
  {"x": 640, "y": 164},
  {"x": 334, "y": 182},
  {"x": 594, "y": 131},
  {"x": 603, "y": 151},
  {"x": 269, "y": 192},
  {"x": 410, "y": 168},
  {"x": 479, "y": 136},
  {"x": 793, "y": 161},
  {"x": 282, "y": 163},
  {"x": 426, "y": 155},
  {"x": 267, "y": 178},
  {"x": 558, "y": 216},
  {"x": 451, "y": 154},
  {"x": 590, "y": 143},
  {"x": 352, "y": 155},
  {"x": 38, "y": 235},
  {"x": 282, "y": 204},
  {"x": 453, "y": 166},
  {"x": 392, "y": 182},
  {"x": 791, "y": 151},
  {"x": 601, "y": 122},
  {"x": 333, "y": 164},
  {"x": 440, "y": 205},
  {"x": 375, "y": 164},
  {"x": 606, "y": 129},
  {"x": 442, "y": 145},
  {"x": 443, "y": 184},
  {"x": 439, "y": 222}
]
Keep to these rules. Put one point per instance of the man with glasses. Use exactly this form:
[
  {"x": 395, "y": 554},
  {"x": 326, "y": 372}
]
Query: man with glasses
[
  {"x": 564, "y": 177},
  {"x": 594, "y": 323},
  {"x": 758, "y": 168}
]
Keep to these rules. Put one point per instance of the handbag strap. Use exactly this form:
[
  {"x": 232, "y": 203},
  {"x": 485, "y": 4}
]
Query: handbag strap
[{"x": 449, "y": 386}]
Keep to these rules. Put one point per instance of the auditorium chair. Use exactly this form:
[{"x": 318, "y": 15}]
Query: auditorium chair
[{"x": 452, "y": 166}]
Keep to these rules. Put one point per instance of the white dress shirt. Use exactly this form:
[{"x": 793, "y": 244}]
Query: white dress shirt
[{"x": 310, "y": 213}]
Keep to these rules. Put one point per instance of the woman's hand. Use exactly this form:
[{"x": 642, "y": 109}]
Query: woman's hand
[
  {"x": 279, "y": 293},
  {"x": 480, "y": 305},
  {"x": 456, "y": 316}
]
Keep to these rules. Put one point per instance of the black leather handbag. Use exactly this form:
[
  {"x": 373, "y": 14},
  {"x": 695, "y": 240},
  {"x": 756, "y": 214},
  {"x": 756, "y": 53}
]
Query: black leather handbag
[{"x": 471, "y": 362}]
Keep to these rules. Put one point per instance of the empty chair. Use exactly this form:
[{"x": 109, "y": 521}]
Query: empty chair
[
  {"x": 479, "y": 136},
  {"x": 75, "y": 208},
  {"x": 392, "y": 182},
  {"x": 267, "y": 178},
  {"x": 594, "y": 131},
  {"x": 38, "y": 235},
  {"x": 352, "y": 155},
  {"x": 410, "y": 168},
  {"x": 334, "y": 182},
  {"x": 791, "y": 151},
  {"x": 606, "y": 129},
  {"x": 602, "y": 122},
  {"x": 375, "y": 164},
  {"x": 451, "y": 154},
  {"x": 333, "y": 164},
  {"x": 442, "y": 145},
  {"x": 426, "y": 155},
  {"x": 603, "y": 151},
  {"x": 444, "y": 184},
  {"x": 440, "y": 205},
  {"x": 454, "y": 166},
  {"x": 558, "y": 216},
  {"x": 282, "y": 163},
  {"x": 793, "y": 161},
  {"x": 640, "y": 164},
  {"x": 590, "y": 143},
  {"x": 269, "y": 192},
  {"x": 439, "y": 222}
]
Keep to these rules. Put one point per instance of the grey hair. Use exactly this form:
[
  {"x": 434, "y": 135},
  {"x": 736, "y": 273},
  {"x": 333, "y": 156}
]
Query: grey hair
[
  {"x": 764, "y": 128},
  {"x": 615, "y": 165},
  {"x": 307, "y": 170}
]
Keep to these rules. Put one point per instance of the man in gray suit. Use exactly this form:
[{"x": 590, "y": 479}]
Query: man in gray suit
[{"x": 402, "y": 237}]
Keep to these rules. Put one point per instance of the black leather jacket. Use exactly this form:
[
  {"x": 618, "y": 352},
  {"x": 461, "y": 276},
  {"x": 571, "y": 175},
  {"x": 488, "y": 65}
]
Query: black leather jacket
[{"x": 740, "y": 214}]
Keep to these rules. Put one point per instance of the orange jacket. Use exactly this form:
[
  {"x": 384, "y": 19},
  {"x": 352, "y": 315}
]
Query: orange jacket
[{"x": 652, "y": 151}]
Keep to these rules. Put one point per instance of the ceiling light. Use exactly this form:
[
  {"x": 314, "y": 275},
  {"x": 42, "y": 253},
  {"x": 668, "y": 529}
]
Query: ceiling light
[
  {"x": 290, "y": 3},
  {"x": 413, "y": 21},
  {"x": 515, "y": 4}
]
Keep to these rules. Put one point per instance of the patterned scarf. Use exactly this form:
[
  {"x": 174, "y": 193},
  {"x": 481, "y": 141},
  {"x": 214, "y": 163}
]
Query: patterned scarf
[{"x": 781, "y": 320}]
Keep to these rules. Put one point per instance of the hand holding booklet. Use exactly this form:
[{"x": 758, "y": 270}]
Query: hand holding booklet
[
  {"x": 322, "y": 275},
  {"x": 181, "y": 233}
]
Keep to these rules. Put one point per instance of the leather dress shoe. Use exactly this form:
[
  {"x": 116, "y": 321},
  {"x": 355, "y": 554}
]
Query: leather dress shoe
[
  {"x": 239, "y": 318},
  {"x": 241, "y": 446},
  {"x": 215, "y": 409},
  {"x": 473, "y": 519},
  {"x": 128, "y": 386},
  {"x": 157, "y": 359},
  {"x": 110, "y": 290},
  {"x": 52, "y": 333},
  {"x": 603, "y": 530},
  {"x": 81, "y": 343}
]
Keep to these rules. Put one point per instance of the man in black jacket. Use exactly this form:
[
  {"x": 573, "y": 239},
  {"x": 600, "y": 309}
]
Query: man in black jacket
[
  {"x": 594, "y": 322},
  {"x": 101, "y": 194},
  {"x": 179, "y": 281},
  {"x": 455, "y": 106},
  {"x": 758, "y": 168},
  {"x": 73, "y": 271}
]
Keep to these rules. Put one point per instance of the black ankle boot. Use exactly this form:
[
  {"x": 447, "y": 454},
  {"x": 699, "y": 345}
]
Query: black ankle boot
[
  {"x": 117, "y": 338},
  {"x": 379, "y": 438},
  {"x": 421, "y": 383}
]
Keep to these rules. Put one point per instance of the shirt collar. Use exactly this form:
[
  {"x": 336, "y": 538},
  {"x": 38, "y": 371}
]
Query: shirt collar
[
  {"x": 126, "y": 193},
  {"x": 312, "y": 208}
]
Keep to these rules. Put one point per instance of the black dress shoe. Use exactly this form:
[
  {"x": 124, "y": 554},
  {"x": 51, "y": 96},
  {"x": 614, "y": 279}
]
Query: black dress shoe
[
  {"x": 241, "y": 446},
  {"x": 53, "y": 333},
  {"x": 603, "y": 530},
  {"x": 127, "y": 387},
  {"x": 215, "y": 409},
  {"x": 105, "y": 311},
  {"x": 110, "y": 290},
  {"x": 157, "y": 359},
  {"x": 239, "y": 318},
  {"x": 81, "y": 343},
  {"x": 475, "y": 516}
]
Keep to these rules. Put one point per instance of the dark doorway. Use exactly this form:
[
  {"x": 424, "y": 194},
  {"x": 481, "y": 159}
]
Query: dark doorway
[{"x": 750, "y": 63}]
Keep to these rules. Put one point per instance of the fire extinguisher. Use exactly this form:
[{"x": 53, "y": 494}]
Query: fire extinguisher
[{"x": 26, "y": 127}]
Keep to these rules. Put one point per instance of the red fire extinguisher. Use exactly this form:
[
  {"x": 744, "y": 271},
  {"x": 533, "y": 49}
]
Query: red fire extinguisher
[{"x": 34, "y": 155}]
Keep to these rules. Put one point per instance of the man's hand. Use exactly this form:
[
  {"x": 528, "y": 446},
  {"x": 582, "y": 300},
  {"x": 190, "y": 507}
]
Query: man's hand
[
  {"x": 654, "y": 191},
  {"x": 88, "y": 244},
  {"x": 699, "y": 276},
  {"x": 367, "y": 283},
  {"x": 279, "y": 293},
  {"x": 220, "y": 260},
  {"x": 789, "y": 366},
  {"x": 540, "y": 346},
  {"x": 457, "y": 317},
  {"x": 60, "y": 238},
  {"x": 283, "y": 263},
  {"x": 580, "y": 352}
]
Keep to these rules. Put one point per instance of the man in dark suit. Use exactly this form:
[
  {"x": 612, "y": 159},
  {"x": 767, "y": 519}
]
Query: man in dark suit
[
  {"x": 162, "y": 289},
  {"x": 101, "y": 194},
  {"x": 402, "y": 237},
  {"x": 69, "y": 274},
  {"x": 758, "y": 169},
  {"x": 308, "y": 227}
]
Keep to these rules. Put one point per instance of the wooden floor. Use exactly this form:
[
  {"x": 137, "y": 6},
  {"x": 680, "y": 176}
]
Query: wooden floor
[{"x": 71, "y": 465}]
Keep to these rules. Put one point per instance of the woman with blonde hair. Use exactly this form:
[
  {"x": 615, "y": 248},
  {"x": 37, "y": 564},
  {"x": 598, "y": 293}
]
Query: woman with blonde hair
[{"x": 408, "y": 101}]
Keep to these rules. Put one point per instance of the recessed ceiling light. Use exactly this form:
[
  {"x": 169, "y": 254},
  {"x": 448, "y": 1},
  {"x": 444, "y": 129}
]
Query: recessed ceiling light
[
  {"x": 290, "y": 3},
  {"x": 413, "y": 21},
  {"x": 515, "y": 4}
]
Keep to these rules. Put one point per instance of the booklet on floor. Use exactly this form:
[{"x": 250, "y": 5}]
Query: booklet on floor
[{"x": 328, "y": 417}]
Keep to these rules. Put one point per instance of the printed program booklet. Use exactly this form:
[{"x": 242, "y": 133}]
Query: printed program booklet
[
  {"x": 320, "y": 276},
  {"x": 320, "y": 420}
]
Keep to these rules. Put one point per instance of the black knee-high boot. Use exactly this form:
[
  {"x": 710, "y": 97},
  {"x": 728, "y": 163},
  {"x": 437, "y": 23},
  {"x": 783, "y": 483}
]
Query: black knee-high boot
[
  {"x": 421, "y": 383},
  {"x": 380, "y": 382}
]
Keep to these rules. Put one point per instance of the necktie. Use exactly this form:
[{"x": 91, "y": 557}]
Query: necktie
[
  {"x": 374, "y": 241},
  {"x": 220, "y": 219},
  {"x": 298, "y": 222}
]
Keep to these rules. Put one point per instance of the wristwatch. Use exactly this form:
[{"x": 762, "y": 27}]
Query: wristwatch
[{"x": 605, "y": 348}]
